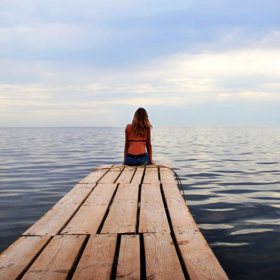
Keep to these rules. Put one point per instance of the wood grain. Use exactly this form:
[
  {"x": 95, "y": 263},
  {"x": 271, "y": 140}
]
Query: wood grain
[
  {"x": 112, "y": 175},
  {"x": 126, "y": 175},
  {"x": 151, "y": 175},
  {"x": 100, "y": 195},
  {"x": 104, "y": 166},
  {"x": 166, "y": 175},
  {"x": 137, "y": 178},
  {"x": 199, "y": 259},
  {"x": 129, "y": 258},
  {"x": 82, "y": 210},
  {"x": 122, "y": 217},
  {"x": 180, "y": 216},
  {"x": 95, "y": 175},
  {"x": 162, "y": 262},
  {"x": 57, "y": 259},
  {"x": 55, "y": 219},
  {"x": 20, "y": 255},
  {"x": 89, "y": 217},
  {"x": 97, "y": 259},
  {"x": 152, "y": 213}
]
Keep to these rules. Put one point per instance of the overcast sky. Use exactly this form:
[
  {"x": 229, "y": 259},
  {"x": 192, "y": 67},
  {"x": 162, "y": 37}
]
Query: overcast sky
[{"x": 93, "y": 63}]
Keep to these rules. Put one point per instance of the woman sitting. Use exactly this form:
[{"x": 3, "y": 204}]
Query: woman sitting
[{"x": 137, "y": 138}]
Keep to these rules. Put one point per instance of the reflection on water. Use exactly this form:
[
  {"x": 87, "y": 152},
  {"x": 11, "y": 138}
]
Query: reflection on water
[{"x": 231, "y": 178}]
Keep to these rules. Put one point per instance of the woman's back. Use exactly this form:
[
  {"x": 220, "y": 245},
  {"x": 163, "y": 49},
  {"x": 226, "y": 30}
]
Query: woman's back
[
  {"x": 137, "y": 139},
  {"x": 136, "y": 144}
]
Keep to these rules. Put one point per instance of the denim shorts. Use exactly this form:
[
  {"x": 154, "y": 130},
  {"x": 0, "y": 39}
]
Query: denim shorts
[{"x": 137, "y": 161}]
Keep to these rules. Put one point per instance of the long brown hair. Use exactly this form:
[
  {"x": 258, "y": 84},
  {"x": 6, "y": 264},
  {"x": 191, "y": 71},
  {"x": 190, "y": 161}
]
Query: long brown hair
[{"x": 140, "y": 123}]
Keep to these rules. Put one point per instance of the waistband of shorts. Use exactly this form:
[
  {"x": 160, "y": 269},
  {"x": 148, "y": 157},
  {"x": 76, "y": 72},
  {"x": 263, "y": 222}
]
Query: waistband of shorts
[{"x": 136, "y": 156}]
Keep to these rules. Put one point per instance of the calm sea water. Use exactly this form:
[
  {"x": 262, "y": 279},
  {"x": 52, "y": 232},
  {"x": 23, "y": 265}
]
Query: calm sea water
[{"x": 231, "y": 178}]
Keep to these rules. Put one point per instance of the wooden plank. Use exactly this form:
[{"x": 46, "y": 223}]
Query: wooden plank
[
  {"x": 180, "y": 216},
  {"x": 57, "y": 259},
  {"x": 55, "y": 219},
  {"x": 100, "y": 194},
  {"x": 89, "y": 217},
  {"x": 137, "y": 178},
  {"x": 104, "y": 166},
  {"x": 97, "y": 259},
  {"x": 152, "y": 213},
  {"x": 126, "y": 176},
  {"x": 166, "y": 175},
  {"x": 112, "y": 175},
  {"x": 94, "y": 176},
  {"x": 20, "y": 255},
  {"x": 161, "y": 258},
  {"x": 199, "y": 259},
  {"x": 151, "y": 175},
  {"x": 122, "y": 217},
  {"x": 171, "y": 189},
  {"x": 129, "y": 258}
]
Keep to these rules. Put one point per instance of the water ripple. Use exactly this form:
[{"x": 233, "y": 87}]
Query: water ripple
[{"x": 231, "y": 178}]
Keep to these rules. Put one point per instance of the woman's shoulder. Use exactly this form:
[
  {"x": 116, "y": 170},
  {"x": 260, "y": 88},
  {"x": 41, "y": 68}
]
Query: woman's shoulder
[{"x": 128, "y": 127}]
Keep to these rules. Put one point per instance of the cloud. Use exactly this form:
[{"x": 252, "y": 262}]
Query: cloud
[
  {"x": 119, "y": 34},
  {"x": 250, "y": 96},
  {"x": 250, "y": 75},
  {"x": 69, "y": 57}
]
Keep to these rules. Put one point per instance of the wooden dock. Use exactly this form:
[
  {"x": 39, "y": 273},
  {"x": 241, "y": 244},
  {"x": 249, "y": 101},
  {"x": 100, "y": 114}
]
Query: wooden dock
[{"x": 119, "y": 222}]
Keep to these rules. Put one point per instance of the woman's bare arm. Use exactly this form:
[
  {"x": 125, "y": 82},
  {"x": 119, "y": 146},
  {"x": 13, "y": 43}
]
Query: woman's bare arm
[
  {"x": 126, "y": 145},
  {"x": 149, "y": 147}
]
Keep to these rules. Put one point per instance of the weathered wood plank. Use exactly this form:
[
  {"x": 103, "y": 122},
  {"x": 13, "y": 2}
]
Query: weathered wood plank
[
  {"x": 170, "y": 189},
  {"x": 97, "y": 259},
  {"x": 55, "y": 219},
  {"x": 57, "y": 259},
  {"x": 137, "y": 178},
  {"x": 126, "y": 175},
  {"x": 100, "y": 194},
  {"x": 20, "y": 255},
  {"x": 104, "y": 166},
  {"x": 89, "y": 217},
  {"x": 151, "y": 175},
  {"x": 122, "y": 217},
  {"x": 95, "y": 175},
  {"x": 112, "y": 175},
  {"x": 180, "y": 216},
  {"x": 199, "y": 259},
  {"x": 166, "y": 175},
  {"x": 152, "y": 213},
  {"x": 161, "y": 258},
  {"x": 129, "y": 258}
]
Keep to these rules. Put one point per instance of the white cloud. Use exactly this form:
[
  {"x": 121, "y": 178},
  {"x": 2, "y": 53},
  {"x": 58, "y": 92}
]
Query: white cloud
[
  {"x": 68, "y": 57},
  {"x": 250, "y": 96},
  {"x": 242, "y": 75}
]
